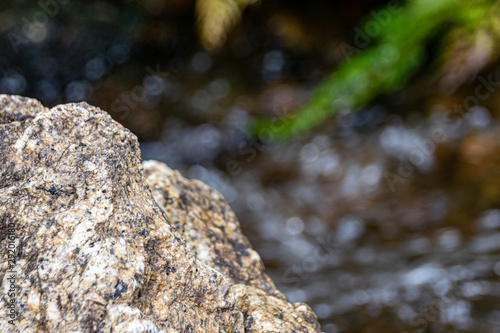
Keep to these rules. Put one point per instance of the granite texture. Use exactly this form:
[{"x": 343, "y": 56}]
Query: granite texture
[{"x": 103, "y": 244}]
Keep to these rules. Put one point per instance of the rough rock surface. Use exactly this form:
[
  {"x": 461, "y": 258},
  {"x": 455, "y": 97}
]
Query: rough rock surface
[
  {"x": 212, "y": 233},
  {"x": 94, "y": 252},
  {"x": 208, "y": 225}
]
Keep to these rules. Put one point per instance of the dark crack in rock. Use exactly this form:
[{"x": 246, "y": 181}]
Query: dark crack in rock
[{"x": 95, "y": 253}]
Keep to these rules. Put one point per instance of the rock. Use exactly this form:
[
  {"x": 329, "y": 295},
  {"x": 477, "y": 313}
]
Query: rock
[
  {"x": 208, "y": 225},
  {"x": 92, "y": 251},
  {"x": 212, "y": 233}
]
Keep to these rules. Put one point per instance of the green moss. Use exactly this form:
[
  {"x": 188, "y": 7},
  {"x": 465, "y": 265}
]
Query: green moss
[{"x": 398, "y": 51}]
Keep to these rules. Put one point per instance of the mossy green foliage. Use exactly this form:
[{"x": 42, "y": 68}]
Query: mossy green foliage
[{"x": 395, "y": 53}]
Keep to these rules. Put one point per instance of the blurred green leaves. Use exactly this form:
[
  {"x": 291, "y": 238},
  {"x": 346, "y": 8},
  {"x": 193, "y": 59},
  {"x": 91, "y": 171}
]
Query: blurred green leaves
[{"x": 398, "y": 37}]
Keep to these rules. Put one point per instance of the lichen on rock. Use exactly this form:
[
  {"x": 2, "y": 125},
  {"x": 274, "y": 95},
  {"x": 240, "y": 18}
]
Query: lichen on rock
[{"x": 104, "y": 244}]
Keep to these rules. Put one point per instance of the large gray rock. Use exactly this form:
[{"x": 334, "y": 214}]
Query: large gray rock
[{"x": 94, "y": 248}]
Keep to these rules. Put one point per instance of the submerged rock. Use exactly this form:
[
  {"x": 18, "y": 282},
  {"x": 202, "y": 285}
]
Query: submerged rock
[{"x": 99, "y": 243}]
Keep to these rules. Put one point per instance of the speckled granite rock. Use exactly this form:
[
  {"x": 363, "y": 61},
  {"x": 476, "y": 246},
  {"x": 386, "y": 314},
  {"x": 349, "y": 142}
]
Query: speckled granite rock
[
  {"x": 96, "y": 253},
  {"x": 208, "y": 225},
  {"x": 212, "y": 233}
]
